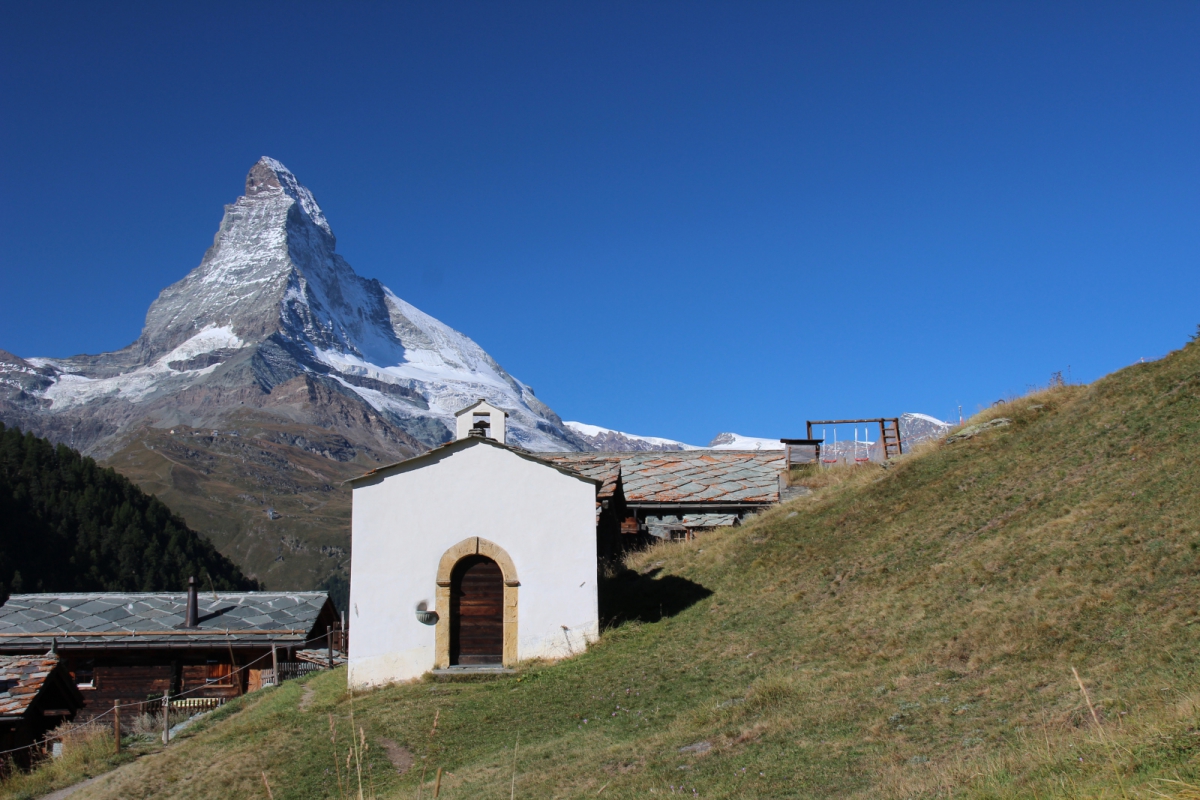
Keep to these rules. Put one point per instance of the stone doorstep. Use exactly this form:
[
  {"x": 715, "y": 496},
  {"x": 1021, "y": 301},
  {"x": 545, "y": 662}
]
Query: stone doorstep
[{"x": 471, "y": 671}]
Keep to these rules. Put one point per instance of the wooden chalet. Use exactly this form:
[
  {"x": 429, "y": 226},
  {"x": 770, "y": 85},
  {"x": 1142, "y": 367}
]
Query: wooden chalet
[
  {"x": 673, "y": 494},
  {"x": 133, "y": 647},
  {"x": 37, "y": 694}
]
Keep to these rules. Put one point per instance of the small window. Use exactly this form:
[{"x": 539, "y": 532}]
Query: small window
[
  {"x": 85, "y": 674},
  {"x": 219, "y": 674}
]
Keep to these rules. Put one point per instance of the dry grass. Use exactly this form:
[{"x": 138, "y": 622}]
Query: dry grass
[
  {"x": 1177, "y": 790},
  {"x": 1048, "y": 396},
  {"x": 87, "y": 751},
  {"x": 821, "y": 477}
]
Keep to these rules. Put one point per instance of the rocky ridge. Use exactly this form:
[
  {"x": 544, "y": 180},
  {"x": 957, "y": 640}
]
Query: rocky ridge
[{"x": 608, "y": 440}]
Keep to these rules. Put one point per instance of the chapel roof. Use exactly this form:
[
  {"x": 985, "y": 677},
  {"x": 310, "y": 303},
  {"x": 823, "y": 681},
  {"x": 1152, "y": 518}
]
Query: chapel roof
[
  {"x": 480, "y": 402},
  {"x": 470, "y": 441}
]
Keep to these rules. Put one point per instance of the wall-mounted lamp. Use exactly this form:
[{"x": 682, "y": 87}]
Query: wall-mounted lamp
[{"x": 424, "y": 615}]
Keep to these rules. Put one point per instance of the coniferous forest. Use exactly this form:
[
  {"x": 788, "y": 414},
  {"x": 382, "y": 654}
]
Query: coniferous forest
[{"x": 68, "y": 525}]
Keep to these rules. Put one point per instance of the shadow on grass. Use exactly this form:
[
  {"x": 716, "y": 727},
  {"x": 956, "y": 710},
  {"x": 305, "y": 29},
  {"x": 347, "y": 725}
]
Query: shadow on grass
[{"x": 644, "y": 597}]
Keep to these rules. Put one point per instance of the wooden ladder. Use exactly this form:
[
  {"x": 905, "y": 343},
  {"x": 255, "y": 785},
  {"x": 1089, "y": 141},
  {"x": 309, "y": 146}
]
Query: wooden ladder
[{"x": 890, "y": 432}]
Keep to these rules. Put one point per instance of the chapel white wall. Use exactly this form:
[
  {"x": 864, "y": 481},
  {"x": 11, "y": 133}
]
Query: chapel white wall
[{"x": 403, "y": 523}]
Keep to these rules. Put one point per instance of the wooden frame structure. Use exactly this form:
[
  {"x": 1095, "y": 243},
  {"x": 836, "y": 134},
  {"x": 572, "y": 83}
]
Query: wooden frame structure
[
  {"x": 789, "y": 459},
  {"x": 889, "y": 432}
]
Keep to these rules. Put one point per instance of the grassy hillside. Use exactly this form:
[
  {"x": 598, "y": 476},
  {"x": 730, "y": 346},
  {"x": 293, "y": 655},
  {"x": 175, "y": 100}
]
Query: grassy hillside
[
  {"x": 904, "y": 632},
  {"x": 69, "y": 525}
]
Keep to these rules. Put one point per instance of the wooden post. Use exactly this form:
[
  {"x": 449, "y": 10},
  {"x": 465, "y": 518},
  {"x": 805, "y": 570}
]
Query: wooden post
[
  {"x": 437, "y": 785},
  {"x": 275, "y": 663},
  {"x": 329, "y": 644},
  {"x": 167, "y": 717},
  {"x": 117, "y": 723}
]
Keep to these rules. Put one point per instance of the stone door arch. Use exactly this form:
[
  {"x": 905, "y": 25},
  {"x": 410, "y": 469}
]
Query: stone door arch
[{"x": 475, "y": 546}]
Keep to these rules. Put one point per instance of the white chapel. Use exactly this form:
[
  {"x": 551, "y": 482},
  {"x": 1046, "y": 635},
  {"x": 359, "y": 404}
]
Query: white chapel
[{"x": 474, "y": 555}]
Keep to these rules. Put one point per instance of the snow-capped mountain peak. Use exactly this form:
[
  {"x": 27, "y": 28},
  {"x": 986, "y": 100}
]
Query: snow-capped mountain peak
[
  {"x": 269, "y": 176},
  {"x": 271, "y": 301}
]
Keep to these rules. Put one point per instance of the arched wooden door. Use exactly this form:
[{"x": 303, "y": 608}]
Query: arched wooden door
[{"x": 476, "y": 612}]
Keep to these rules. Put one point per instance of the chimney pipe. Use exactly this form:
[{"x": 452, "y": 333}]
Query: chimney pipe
[{"x": 193, "y": 605}]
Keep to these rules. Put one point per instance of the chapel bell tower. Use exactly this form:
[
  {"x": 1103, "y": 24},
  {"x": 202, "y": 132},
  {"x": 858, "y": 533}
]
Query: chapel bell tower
[{"x": 481, "y": 418}]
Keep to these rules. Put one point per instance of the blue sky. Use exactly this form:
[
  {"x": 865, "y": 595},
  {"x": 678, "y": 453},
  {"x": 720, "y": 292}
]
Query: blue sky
[{"x": 706, "y": 217}]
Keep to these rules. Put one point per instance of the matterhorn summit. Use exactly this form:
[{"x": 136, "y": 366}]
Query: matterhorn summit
[{"x": 272, "y": 304}]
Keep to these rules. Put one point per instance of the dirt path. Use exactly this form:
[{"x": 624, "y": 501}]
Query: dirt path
[
  {"x": 307, "y": 698},
  {"x": 61, "y": 794},
  {"x": 400, "y": 757}
]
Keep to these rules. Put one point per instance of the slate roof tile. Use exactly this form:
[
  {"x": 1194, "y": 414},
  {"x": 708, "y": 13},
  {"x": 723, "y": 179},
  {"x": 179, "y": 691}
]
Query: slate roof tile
[
  {"x": 91, "y": 607},
  {"x": 684, "y": 476},
  {"x": 61, "y": 615},
  {"x": 30, "y": 673}
]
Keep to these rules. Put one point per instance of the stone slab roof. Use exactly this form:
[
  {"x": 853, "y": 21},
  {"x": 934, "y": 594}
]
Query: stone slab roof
[
  {"x": 21, "y": 678},
  {"x": 692, "y": 521},
  {"x": 717, "y": 477},
  {"x": 144, "y": 619},
  {"x": 321, "y": 657}
]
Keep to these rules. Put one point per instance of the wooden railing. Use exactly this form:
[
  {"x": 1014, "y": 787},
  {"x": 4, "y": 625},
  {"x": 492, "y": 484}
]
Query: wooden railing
[
  {"x": 197, "y": 703},
  {"x": 287, "y": 671}
]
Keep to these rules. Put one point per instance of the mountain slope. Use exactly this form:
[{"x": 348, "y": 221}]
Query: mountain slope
[
  {"x": 68, "y": 525},
  {"x": 902, "y": 632},
  {"x": 283, "y": 372}
]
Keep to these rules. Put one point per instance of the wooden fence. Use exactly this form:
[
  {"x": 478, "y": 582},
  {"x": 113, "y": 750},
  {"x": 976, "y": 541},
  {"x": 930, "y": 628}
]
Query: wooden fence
[{"x": 289, "y": 670}]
